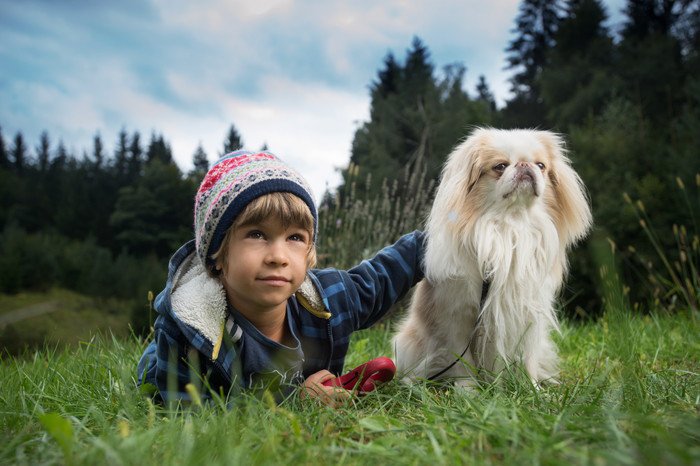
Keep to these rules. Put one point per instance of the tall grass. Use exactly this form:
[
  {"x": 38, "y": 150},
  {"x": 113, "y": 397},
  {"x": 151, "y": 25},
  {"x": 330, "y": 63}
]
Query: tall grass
[
  {"x": 672, "y": 274},
  {"x": 355, "y": 223}
]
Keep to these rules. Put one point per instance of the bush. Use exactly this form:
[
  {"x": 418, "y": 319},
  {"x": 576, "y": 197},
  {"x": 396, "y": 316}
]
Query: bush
[
  {"x": 27, "y": 262},
  {"x": 43, "y": 260}
]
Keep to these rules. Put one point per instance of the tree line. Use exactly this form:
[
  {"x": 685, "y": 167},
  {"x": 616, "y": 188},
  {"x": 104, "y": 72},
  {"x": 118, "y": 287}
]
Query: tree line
[{"x": 626, "y": 98}]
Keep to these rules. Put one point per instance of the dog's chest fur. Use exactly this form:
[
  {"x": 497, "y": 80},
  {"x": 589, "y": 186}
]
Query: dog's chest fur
[{"x": 519, "y": 257}]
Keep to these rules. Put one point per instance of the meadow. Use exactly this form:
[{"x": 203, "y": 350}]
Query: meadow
[{"x": 629, "y": 394}]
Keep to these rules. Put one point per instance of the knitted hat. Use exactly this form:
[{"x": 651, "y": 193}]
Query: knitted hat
[{"x": 230, "y": 185}]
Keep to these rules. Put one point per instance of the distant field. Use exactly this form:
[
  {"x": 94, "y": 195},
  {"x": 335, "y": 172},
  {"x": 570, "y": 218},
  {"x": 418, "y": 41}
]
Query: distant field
[{"x": 58, "y": 317}]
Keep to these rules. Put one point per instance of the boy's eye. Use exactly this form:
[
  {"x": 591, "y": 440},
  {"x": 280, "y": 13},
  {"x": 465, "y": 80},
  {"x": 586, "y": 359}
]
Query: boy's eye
[
  {"x": 256, "y": 234},
  {"x": 298, "y": 237}
]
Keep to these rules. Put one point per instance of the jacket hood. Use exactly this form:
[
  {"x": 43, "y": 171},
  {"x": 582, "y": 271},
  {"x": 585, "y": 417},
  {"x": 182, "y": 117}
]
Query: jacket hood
[{"x": 192, "y": 297}]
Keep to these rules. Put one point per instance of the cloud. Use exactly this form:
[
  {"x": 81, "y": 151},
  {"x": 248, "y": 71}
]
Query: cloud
[
  {"x": 289, "y": 73},
  {"x": 307, "y": 125}
]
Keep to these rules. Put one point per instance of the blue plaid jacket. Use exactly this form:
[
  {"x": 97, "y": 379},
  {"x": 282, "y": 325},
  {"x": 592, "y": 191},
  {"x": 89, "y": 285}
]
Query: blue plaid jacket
[{"x": 181, "y": 353}]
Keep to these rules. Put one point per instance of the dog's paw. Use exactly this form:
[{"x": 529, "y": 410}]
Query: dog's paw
[
  {"x": 540, "y": 384},
  {"x": 465, "y": 386}
]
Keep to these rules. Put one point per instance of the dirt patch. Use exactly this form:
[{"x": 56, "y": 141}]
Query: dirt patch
[{"x": 28, "y": 312}]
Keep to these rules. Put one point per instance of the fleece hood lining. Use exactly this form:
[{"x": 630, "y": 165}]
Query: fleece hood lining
[{"x": 198, "y": 299}]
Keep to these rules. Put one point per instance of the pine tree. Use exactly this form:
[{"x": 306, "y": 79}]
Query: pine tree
[
  {"x": 579, "y": 79},
  {"x": 97, "y": 151},
  {"x": 8, "y": 183},
  {"x": 200, "y": 162},
  {"x": 42, "y": 152},
  {"x": 121, "y": 154},
  {"x": 58, "y": 162},
  {"x": 389, "y": 78},
  {"x": 648, "y": 46},
  {"x": 418, "y": 71},
  {"x": 418, "y": 95},
  {"x": 135, "y": 163},
  {"x": 4, "y": 159},
  {"x": 159, "y": 150},
  {"x": 484, "y": 94},
  {"x": 19, "y": 154},
  {"x": 649, "y": 17},
  {"x": 536, "y": 24},
  {"x": 233, "y": 141},
  {"x": 687, "y": 30}
]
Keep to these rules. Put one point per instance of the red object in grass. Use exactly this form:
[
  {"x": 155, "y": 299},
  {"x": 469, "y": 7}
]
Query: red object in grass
[{"x": 365, "y": 377}]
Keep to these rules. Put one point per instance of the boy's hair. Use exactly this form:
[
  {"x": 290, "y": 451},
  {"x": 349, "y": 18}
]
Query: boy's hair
[
  {"x": 287, "y": 208},
  {"x": 231, "y": 184}
]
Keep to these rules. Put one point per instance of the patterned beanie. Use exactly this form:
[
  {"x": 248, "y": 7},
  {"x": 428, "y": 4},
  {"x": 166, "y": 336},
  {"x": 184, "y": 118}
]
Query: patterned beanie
[{"x": 230, "y": 185}]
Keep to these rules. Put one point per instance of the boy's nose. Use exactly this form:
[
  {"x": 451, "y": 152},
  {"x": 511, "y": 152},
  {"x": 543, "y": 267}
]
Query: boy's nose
[{"x": 276, "y": 253}]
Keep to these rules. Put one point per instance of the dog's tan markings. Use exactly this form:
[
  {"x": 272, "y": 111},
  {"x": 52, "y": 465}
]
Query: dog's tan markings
[{"x": 569, "y": 207}]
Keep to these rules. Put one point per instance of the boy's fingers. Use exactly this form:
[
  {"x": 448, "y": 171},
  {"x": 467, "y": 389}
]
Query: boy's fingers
[
  {"x": 333, "y": 396},
  {"x": 320, "y": 377},
  {"x": 330, "y": 396}
]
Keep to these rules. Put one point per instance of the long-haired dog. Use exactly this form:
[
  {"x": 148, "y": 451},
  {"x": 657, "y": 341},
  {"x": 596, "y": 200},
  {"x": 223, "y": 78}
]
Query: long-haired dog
[{"x": 507, "y": 209}]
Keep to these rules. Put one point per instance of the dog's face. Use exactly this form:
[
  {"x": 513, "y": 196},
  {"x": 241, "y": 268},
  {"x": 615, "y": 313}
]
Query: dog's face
[
  {"x": 509, "y": 171},
  {"x": 514, "y": 170}
]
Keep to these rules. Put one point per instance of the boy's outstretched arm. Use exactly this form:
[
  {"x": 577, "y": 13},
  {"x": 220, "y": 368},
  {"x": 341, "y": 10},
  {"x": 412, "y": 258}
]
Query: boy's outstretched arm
[{"x": 375, "y": 285}]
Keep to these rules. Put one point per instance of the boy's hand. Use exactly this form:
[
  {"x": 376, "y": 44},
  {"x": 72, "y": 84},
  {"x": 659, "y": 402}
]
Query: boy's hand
[{"x": 329, "y": 396}]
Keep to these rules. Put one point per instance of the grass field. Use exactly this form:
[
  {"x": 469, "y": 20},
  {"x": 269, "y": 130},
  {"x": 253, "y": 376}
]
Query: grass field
[
  {"x": 58, "y": 317},
  {"x": 630, "y": 394}
]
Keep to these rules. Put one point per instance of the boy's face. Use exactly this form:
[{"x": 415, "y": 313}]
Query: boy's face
[{"x": 266, "y": 264}]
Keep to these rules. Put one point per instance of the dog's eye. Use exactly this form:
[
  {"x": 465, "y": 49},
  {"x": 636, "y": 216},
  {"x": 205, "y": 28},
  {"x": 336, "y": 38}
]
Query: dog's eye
[
  {"x": 500, "y": 168},
  {"x": 541, "y": 165}
]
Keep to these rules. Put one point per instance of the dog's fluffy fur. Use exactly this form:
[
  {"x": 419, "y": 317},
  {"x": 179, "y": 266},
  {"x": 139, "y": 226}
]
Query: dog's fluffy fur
[{"x": 508, "y": 207}]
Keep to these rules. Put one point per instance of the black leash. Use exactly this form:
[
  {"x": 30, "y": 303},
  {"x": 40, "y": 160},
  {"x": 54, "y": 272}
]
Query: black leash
[{"x": 484, "y": 291}]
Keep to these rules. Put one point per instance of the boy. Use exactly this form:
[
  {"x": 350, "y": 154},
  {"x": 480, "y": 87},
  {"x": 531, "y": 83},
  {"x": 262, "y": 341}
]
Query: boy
[{"x": 242, "y": 308}]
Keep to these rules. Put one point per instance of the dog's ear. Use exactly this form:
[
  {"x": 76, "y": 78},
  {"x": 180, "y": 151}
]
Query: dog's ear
[
  {"x": 475, "y": 173},
  {"x": 568, "y": 202},
  {"x": 473, "y": 151},
  {"x": 462, "y": 169},
  {"x": 458, "y": 199}
]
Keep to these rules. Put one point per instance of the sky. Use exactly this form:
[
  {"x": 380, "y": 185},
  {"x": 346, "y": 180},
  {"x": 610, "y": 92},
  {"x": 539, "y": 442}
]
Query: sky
[{"x": 291, "y": 74}]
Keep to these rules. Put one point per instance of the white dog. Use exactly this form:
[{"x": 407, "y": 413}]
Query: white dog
[{"x": 508, "y": 207}]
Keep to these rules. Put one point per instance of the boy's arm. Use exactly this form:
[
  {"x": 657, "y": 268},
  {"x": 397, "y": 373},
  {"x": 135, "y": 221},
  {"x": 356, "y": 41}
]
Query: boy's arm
[{"x": 375, "y": 285}]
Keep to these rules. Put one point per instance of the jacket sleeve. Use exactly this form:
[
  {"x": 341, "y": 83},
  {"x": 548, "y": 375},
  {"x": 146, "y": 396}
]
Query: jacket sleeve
[{"x": 375, "y": 285}]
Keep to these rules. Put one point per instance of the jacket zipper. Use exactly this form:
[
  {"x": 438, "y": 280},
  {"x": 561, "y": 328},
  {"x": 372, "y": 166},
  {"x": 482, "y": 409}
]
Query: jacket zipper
[{"x": 330, "y": 343}]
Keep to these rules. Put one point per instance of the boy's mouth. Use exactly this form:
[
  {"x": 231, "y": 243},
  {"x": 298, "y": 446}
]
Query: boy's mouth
[{"x": 274, "y": 280}]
